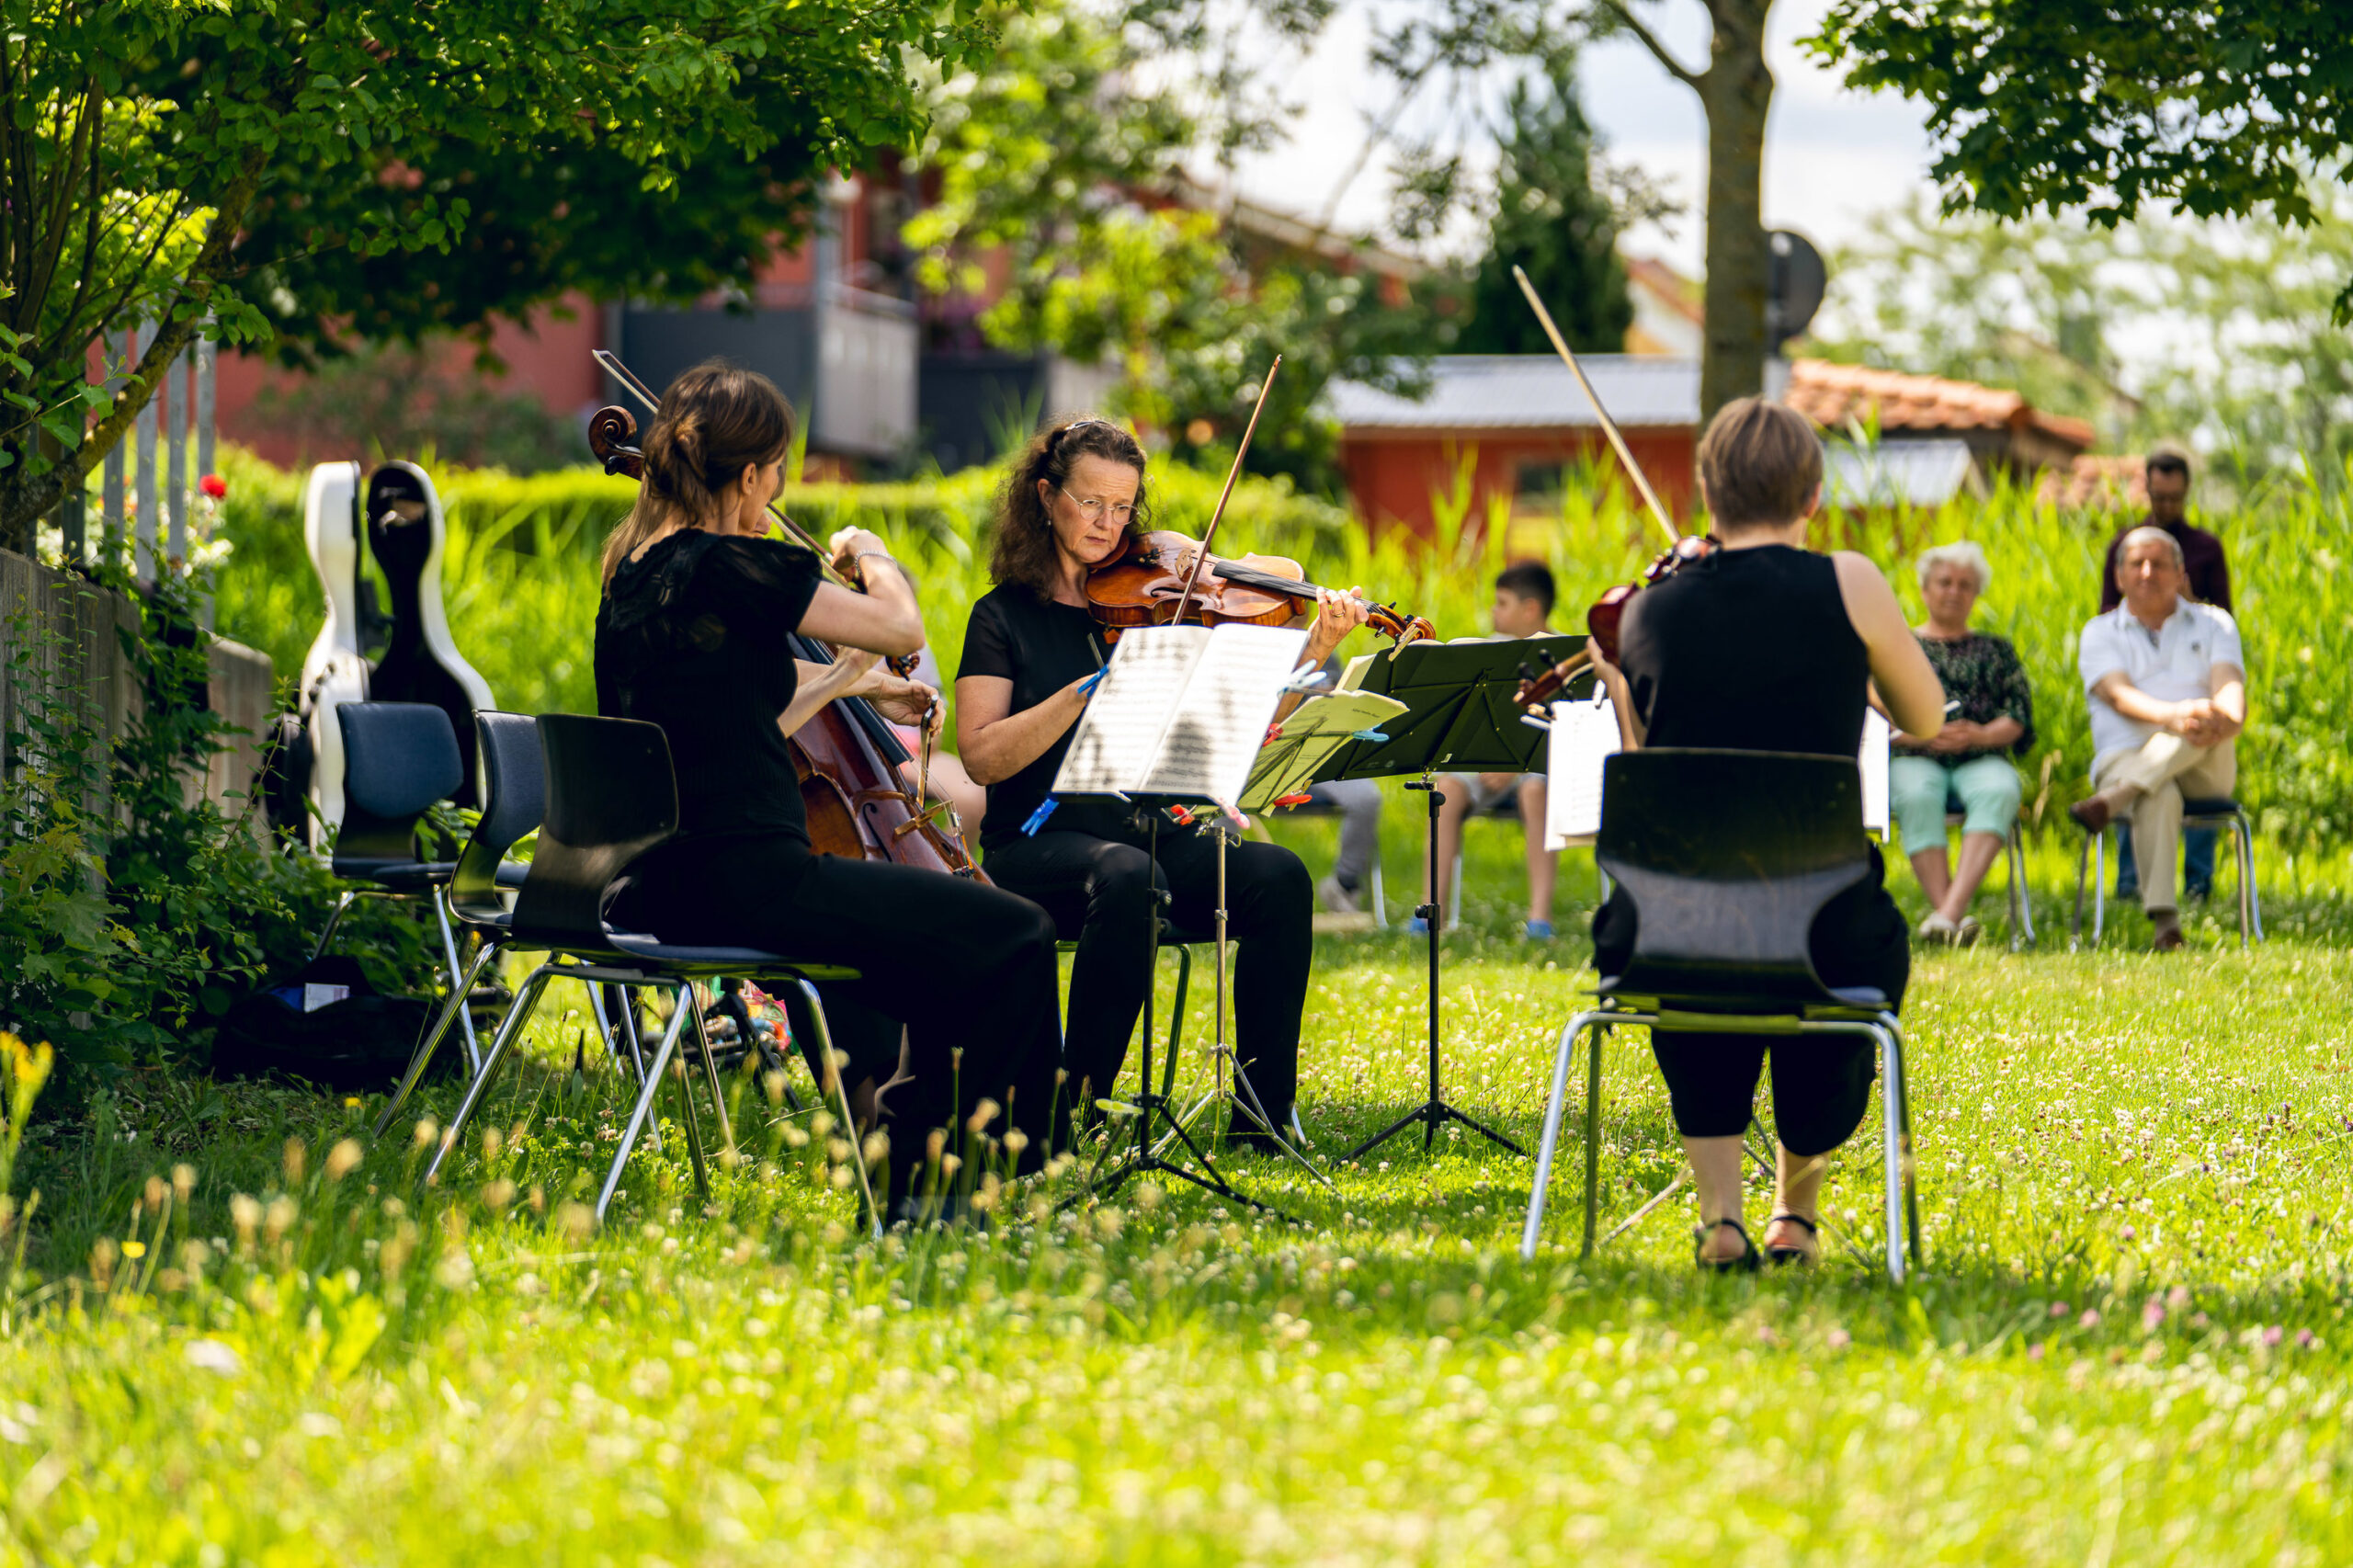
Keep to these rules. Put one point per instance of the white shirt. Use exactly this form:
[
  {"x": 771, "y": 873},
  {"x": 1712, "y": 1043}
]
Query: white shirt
[{"x": 2173, "y": 664}]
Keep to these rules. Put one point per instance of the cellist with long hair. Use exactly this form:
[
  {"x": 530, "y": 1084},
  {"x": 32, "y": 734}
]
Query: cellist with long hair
[{"x": 693, "y": 635}]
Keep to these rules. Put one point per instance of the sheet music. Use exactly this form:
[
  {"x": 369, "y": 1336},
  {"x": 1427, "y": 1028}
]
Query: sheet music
[
  {"x": 1585, "y": 736},
  {"x": 1120, "y": 733},
  {"x": 1872, "y": 760},
  {"x": 1316, "y": 729},
  {"x": 1221, "y": 716}
]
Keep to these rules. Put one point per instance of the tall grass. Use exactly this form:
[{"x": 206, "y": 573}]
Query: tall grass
[{"x": 522, "y": 588}]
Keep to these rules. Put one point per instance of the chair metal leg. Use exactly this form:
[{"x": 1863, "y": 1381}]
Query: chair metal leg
[
  {"x": 832, "y": 1074},
  {"x": 656, "y": 1071},
  {"x": 2021, "y": 898},
  {"x": 1556, "y": 1107},
  {"x": 2099, "y": 885},
  {"x": 449, "y": 958},
  {"x": 693, "y": 1123},
  {"x": 422, "y": 1057},
  {"x": 710, "y": 1071},
  {"x": 1892, "y": 1138},
  {"x": 1593, "y": 1137},
  {"x": 620, "y": 1037},
  {"x": 527, "y": 1001},
  {"x": 2250, "y": 896},
  {"x": 334, "y": 918}
]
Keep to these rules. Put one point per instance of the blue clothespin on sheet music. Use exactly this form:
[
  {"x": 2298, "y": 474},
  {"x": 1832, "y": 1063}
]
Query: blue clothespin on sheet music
[
  {"x": 1045, "y": 808},
  {"x": 1307, "y": 680},
  {"x": 1369, "y": 735},
  {"x": 1086, "y": 687}
]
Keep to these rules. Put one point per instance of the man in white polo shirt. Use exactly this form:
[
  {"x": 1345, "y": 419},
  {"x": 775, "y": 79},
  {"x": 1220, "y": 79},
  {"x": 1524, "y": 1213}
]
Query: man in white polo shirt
[{"x": 2167, "y": 686}]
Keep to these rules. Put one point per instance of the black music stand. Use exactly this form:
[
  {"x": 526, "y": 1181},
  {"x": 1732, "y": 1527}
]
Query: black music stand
[
  {"x": 1146, "y": 1157},
  {"x": 1460, "y": 715}
]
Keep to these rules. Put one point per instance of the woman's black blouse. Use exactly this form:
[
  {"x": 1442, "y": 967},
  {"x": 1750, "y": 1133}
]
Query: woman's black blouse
[
  {"x": 1041, "y": 646},
  {"x": 692, "y": 635},
  {"x": 1747, "y": 650}
]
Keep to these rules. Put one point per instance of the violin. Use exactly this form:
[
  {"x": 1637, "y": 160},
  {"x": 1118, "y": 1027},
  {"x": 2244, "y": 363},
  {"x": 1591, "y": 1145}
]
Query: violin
[
  {"x": 1156, "y": 579},
  {"x": 846, "y": 756},
  {"x": 1602, "y": 622},
  {"x": 1144, "y": 583}
]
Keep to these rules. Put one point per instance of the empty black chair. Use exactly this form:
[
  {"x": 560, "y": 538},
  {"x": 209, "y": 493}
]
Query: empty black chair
[
  {"x": 508, "y": 746},
  {"x": 399, "y": 758},
  {"x": 1727, "y": 858},
  {"x": 610, "y": 797}
]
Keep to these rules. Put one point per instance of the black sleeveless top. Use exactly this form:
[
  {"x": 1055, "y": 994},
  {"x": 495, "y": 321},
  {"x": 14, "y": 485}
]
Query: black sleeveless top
[
  {"x": 1747, "y": 650},
  {"x": 694, "y": 636}
]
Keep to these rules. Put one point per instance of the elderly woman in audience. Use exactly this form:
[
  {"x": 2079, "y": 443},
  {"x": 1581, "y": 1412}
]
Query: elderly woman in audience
[{"x": 1989, "y": 716}]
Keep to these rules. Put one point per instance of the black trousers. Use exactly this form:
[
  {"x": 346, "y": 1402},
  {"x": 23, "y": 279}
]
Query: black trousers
[
  {"x": 1098, "y": 892},
  {"x": 965, "y": 968},
  {"x": 1821, "y": 1085}
]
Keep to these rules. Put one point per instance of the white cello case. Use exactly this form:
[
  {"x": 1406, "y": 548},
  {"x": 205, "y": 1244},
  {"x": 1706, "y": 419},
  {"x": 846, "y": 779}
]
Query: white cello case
[
  {"x": 335, "y": 672},
  {"x": 422, "y": 663}
]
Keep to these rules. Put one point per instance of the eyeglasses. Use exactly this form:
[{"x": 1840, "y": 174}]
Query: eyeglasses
[{"x": 1091, "y": 509}]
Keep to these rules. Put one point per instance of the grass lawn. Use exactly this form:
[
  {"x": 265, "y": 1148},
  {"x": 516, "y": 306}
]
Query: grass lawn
[{"x": 2129, "y": 1345}]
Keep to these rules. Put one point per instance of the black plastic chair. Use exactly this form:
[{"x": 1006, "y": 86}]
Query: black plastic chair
[
  {"x": 399, "y": 758},
  {"x": 2219, "y": 812},
  {"x": 1727, "y": 858},
  {"x": 611, "y": 796},
  {"x": 508, "y": 746}
]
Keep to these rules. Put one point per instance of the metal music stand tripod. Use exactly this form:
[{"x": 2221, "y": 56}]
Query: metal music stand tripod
[{"x": 1460, "y": 715}]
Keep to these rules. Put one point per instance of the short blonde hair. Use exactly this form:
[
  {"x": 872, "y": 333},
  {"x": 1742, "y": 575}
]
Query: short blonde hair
[
  {"x": 1963, "y": 553},
  {"x": 1761, "y": 464}
]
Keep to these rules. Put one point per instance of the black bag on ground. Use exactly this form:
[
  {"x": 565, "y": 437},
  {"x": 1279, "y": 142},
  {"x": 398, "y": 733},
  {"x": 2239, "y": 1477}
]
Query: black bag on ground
[{"x": 328, "y": 1025}]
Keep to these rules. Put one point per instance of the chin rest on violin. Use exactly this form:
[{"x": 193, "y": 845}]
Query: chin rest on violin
[{"x": 1144, "y": 584}]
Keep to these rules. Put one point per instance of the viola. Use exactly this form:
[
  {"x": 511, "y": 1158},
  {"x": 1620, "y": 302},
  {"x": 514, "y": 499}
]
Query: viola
[
  {"x": 1157, "y": 578},
  {"x": 847, "y": 757},
  {"x": 1145, "y": 582}
]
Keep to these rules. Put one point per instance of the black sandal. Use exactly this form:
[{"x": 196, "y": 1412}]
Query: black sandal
[
  {"x": 1743, "y": 1264},
  {"x": 1783, "y": 1257}
]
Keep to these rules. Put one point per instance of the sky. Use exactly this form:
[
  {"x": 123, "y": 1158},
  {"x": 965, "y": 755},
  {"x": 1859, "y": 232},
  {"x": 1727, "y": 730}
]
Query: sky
[{"x": 1832, "y": 156}]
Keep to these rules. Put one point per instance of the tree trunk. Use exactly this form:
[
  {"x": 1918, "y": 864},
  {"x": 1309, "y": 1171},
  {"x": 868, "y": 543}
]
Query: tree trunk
[{"x": 1736, "y": 91}]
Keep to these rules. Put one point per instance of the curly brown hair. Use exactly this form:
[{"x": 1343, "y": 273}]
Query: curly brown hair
[{"x": 1023, "y": 550}]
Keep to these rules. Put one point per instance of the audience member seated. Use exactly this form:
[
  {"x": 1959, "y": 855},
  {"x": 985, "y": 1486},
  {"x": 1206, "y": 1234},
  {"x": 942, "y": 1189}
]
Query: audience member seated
[
  {"x": 2167, "y": 688},
  {"x": 1989, "y": 716},
  {"x": 1523, "y": 607},
  {"x": 2166, "y": 476}
]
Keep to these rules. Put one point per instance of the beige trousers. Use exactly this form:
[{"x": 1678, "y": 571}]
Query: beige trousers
[{"x": 2164, "y": 769}]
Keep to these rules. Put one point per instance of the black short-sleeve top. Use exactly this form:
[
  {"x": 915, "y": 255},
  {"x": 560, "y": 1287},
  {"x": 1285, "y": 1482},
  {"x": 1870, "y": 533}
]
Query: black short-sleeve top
[
  {"x": 693, "y": 635},
  {"x": 1747, "y": 650},
  {"x": 1041, "y": 646}
]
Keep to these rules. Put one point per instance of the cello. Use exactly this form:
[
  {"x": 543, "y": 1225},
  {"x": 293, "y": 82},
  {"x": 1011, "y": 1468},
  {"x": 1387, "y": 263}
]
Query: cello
[{"x": 845, "y": 757}]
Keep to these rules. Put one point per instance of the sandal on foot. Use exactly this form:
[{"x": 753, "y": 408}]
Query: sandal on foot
[
  {"x": 1743, "y": 1264},
  {"x": 1784, "y": 1256}
]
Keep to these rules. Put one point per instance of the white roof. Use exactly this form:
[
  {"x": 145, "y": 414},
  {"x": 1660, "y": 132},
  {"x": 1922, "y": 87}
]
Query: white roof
[
  {"x": 1915, "y": 473},
  {"x": 1476, "y": 392}
]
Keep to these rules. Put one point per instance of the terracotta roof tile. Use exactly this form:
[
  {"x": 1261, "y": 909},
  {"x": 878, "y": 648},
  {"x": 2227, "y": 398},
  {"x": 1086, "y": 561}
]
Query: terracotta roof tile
[
  {"x": 2107, "y": 483},
  {"x": 1830, "y": 394}
]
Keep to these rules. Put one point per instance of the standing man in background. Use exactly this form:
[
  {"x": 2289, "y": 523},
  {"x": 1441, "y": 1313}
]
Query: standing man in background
[{"x": 2168, "y": 481}]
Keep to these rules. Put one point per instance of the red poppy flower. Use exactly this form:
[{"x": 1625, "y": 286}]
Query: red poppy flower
[{"x": 213, "y": 485}]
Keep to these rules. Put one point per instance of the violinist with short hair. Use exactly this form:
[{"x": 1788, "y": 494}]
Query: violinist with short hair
[
  {"x": 1069, "y": 505},
  {"x": 1766, "y": 645},
  {"x": 693, "y": 635}
]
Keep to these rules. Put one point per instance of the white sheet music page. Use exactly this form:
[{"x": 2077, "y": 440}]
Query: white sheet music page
[
  {"x": 1872, "y": 760},
  {"x": 1221, "y": 716},
  {"x": 1118, "y": 736},
  {"x": 1585, "y": 736}
]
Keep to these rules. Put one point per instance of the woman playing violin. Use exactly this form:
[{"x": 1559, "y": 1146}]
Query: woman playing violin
[
  {"x": 692, "y": 636},
  {"x": 1029, "y": 652}
]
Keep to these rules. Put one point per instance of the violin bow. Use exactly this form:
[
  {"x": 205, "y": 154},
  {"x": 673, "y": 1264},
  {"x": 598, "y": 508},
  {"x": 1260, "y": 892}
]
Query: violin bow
[
  {"x": 1608, "y": 425},
  {"x": 1201, "y": 556}
]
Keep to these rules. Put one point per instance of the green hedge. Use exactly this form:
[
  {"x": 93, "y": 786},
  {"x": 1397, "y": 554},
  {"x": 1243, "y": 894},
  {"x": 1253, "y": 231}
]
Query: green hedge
[{"x": 522, "y": 589}]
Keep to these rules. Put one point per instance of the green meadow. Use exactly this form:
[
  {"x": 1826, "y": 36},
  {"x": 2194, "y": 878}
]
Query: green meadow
[{"x": 244, "y": 1334}]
